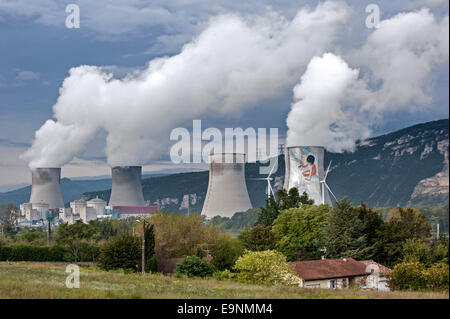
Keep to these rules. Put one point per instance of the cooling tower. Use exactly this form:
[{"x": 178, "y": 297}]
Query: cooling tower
[
  {"x": 46, "y": 187},
  {"x": 304, "y": 170},
  {"x": 126, "y": 186},
  {"x": 227, "y": 192}
]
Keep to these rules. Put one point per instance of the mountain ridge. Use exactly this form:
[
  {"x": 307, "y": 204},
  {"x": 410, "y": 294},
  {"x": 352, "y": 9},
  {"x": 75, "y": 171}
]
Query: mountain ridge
[{"x": 407, "y": 167}]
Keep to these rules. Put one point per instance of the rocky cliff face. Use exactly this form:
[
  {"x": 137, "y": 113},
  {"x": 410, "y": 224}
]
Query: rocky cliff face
[{"x": 434, "y": 188}]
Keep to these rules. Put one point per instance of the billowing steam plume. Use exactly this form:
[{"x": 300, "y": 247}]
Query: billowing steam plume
[
  {"x": 232, "y": 64},
  {"x": 334, "y": 105}
]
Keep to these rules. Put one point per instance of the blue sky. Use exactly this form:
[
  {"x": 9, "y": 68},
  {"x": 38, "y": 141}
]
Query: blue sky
[{"x": 37, "y": 51}]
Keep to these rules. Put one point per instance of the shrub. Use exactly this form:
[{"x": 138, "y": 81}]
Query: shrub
[
  {"x": 436, "y": 276},
  {"x": 225, "y": 253},
  {"x": 193, "y": 266},
  {"x": 258, "y": 238},
  {"x": 225, "y": 275},
  {"x": 265, "y": 267},
  {"x": 414, "y": 276},
  {"x": 122, "y": 252},
  {"x": 407, "y": 276}
]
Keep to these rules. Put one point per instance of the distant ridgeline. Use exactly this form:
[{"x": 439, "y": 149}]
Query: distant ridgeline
[{"x": 408, "y": 167}]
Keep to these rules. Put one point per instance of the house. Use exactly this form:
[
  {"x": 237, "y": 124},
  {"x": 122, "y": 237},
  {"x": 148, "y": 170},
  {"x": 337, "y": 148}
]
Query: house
[{"x": 332, "y": 273}]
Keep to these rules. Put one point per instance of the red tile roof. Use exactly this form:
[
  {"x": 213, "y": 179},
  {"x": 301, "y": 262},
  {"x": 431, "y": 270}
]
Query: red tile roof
[
  {"x": 136, "y": 209},
  {"x": 329, "y": 268}
]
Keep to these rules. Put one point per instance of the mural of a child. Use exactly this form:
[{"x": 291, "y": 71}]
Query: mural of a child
[{"x": 309, "y": 169}]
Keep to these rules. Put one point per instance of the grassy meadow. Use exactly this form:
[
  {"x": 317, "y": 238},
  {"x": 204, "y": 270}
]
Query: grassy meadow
[{"x": 47, "y": 280}]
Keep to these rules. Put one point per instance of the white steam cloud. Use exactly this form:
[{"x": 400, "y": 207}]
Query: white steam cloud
[
  {"x": 232, "y": 64},
  {"x": 334, "y": 105}
]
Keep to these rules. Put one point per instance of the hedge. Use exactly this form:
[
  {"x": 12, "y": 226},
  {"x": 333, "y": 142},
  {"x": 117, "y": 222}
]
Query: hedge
[
  {"x": 31, "y": 253},
  {"x": 23, "y": 252}
]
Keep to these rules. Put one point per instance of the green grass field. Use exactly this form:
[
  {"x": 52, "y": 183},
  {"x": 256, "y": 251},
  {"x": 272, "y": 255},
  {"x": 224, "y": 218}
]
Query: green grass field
[{"x": 47, "y": 280}]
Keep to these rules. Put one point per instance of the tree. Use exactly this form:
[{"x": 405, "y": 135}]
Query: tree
[
  {"x": 122, "y": 252},
  {"x": 258, "y": 238},
  {"x": 178, "y": 236},
  {"x": 9, "y": 215},
  {"x": 265, "y": 267},
  {"x": 402, "y": 224},
  {"x": 74, "y": 237},
  {"x": 225, "y": 252},
  {"x": 298, "y": 231},
  {"x": 417, "y": 251},
  {"x": 150, "y": 258},
  {"x": 269, "y": 213},
  {"x": 344, "y": 233},
  {"x": 285, "y": 200},
  {"x": 32, "y": 236},
  {"x": 372, "y": 226}
]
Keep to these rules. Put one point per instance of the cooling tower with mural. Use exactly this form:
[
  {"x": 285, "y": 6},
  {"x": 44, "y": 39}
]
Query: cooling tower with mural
[{"x": 305, "y": 170}]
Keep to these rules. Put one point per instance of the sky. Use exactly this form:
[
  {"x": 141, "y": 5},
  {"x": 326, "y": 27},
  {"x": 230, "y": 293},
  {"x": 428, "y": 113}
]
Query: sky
[{"x": 37, "y": 51}]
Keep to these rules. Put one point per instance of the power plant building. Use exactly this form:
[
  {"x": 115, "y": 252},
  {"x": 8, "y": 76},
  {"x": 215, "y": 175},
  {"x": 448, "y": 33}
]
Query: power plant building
[
  {"x": 304, "y": 170},
  {"x": 227, "y": 190}
]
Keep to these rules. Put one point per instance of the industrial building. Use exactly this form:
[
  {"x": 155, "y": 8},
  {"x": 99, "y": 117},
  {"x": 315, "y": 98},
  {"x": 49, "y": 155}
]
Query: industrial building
[
  {"x": 126, "y": 199},
  {"x": 227, "y": 190}
]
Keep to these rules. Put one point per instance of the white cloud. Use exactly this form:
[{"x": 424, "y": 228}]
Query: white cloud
[
  {"x": 334, "y": 105},
  {"x": 234, "y": 63}
]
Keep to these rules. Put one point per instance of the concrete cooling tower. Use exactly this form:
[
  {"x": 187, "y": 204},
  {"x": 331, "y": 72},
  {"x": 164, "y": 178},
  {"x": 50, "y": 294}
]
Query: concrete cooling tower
[
  {"x": 126, "y": 186},
  {"x": 304, "y": 170},
  {"x": 46, "y": 188},
  {"x": 227, "y": 192}
]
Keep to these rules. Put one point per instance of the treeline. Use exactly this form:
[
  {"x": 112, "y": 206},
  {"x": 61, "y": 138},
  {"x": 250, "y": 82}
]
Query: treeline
[{"x": 289, "y": 228}]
